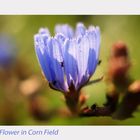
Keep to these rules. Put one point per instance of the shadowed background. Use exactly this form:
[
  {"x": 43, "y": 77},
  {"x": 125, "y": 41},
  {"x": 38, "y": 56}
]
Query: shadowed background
[{"x": 15, "y": 107}]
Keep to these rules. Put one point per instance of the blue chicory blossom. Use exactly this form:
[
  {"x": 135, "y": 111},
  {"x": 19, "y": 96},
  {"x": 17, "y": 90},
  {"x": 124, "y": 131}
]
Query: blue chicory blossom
[
  {"x": 8, "y": 51},
  {"x": 69, "y": 58}
]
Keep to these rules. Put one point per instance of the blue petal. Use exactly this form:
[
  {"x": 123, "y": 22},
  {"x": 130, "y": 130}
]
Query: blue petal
[
  {"x": 70, "y": 63},
  {"x": 44, "y": 35},
  {"x": 57, "y": 63},
  {"x": 80, "y": 29},
  {"x": 95, "y": 33},
  {"x": 61, "y": 39},
  {"x": 44, "y": 31},
  {"x": 83, "y": 56},
  {"x": 43, "y": 59},
  {"x": 65, "y": 29},
  {"x": 94, "y": 41},
  {"x": 91, "y": 62},
  {"x": 97, "y": 41}
]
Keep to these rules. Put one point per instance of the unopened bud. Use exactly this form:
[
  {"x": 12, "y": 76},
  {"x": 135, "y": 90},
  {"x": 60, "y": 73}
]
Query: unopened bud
[{"x": 119, "y": 49}]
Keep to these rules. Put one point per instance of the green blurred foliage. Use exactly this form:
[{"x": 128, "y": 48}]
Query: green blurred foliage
[{"x": 113, "y": 28}]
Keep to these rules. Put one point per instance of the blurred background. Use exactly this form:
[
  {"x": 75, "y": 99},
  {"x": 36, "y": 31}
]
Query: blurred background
[{"x": 25, "y": 97}]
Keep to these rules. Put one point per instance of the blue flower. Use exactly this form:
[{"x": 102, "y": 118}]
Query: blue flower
[
  {"x": 8, "y": 51},
  {"x": 69, "y": 58}
]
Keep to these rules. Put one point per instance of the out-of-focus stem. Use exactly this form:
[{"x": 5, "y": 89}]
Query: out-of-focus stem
[{"x": 129, "y": 103}]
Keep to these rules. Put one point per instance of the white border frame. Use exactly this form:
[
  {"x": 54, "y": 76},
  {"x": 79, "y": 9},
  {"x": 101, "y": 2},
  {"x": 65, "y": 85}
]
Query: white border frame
[{"x": 86, "y": 7}]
